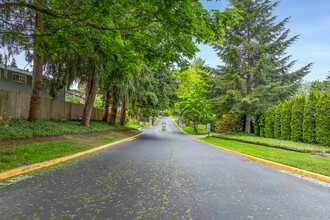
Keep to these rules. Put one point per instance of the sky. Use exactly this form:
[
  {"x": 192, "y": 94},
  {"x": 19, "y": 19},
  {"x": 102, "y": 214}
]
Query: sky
[{"x": 309, "y": 19}]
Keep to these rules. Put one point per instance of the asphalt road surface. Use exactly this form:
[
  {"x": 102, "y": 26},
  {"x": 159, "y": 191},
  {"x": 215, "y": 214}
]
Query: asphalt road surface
[{"x": 163, "y": 175}]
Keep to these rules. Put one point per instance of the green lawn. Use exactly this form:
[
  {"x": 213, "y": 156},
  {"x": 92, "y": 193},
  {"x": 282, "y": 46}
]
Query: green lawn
[
  {"x": 289, "y": 145},
  {"x": 304, "y": 161},
  {"x": 43, "y": 151},
  {"x": 190, "y": 129},
  {"x": 23, "y": 129}
]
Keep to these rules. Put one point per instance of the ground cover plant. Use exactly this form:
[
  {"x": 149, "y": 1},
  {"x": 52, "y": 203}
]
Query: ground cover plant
[
  {"x": 271, "y": 142},
  {"x": 304, "y": 161},
  {"x": 26, "y": 154},
  {"x": 18, "y": 128}
]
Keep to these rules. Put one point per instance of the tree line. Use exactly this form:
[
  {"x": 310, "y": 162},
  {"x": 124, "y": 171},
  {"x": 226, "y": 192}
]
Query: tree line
[{"x": 126, "y": 49}]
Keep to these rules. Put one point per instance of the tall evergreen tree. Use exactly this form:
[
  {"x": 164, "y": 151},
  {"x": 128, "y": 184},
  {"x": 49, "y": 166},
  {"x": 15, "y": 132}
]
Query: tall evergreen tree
[
  {"x": 286, "y": 119},
  {"x": 309, "y": 124},
  {"x": 269, "y": 122},
  {"x": 1, "y": 59},
  {"x": 13, "y": 63},
  {"x": 297, "y": 118},
  {"x": 256, "y": 68},
  {"x": 277, "y": 122},
  {"x": 323, "y": 120}
]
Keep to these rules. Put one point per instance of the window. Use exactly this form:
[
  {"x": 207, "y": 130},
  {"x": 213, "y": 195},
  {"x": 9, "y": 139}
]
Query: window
[{"x": 19, "y": 78}]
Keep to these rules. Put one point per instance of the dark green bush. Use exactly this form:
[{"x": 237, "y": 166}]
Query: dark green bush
[
  {"x": 309, "y": 124},
  {"x": 277, "y": 122},
  {"x": 297, "y": 118},
  {"x": 269, "y": 122},
  {"x": 286, "y": 119},
  {"x": 323, "y": 120}
]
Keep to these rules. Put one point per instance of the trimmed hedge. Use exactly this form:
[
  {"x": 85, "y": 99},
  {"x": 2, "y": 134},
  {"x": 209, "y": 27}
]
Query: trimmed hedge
[{"x": 298, "y": 119}]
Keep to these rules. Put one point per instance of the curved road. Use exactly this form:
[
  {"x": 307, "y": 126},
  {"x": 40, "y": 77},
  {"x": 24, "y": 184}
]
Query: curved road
[{"x": 163, "y": 175}]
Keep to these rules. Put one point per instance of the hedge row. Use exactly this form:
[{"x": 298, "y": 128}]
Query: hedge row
[{"x": 298, "y": 119}]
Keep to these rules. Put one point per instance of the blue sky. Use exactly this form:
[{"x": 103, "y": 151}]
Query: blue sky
[{"x": 309, "y": 19}]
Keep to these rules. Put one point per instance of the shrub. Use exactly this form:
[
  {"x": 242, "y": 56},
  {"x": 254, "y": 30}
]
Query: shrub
[
  {"x": 269, "y": 122},
  {"x": 262, "y": 125},
  {"x": 297, "y": 118},
  {"x": 228, "y": 124},
  {"x": 309, "y": 123},
  {"x": 277, "y": 121},
  {"x": 323, "y": 120},
  {"x": 286, "y": 119}
]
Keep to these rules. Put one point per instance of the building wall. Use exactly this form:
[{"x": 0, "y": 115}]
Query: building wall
[{"x": 7, "y": 83}]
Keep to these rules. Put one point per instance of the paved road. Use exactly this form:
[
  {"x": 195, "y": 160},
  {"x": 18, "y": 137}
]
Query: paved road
[{"x": 163, "y": 175}]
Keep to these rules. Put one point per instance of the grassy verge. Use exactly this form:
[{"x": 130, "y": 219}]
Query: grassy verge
[
  {"x": 304, "y": 161},
  {"x": 23, "y": 129},
  {"x": 43, "y": 151},
  {"x": 190, "y": 129},
  {"x": 288, "y": 145}
]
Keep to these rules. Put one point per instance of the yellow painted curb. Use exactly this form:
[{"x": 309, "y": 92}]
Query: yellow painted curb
[
  {"x": 178, "y": 126},
  {"x": 155, "y": 121},
  {"x": 24, "y": 169},
  {"x": 275, "y": 164}
]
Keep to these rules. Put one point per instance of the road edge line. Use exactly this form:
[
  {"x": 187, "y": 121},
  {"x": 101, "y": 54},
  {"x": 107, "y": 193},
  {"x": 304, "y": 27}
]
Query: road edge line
[
  {"x": 28, "y": 168},
  {"x": 275, "y": 164},
  {"x": 178, "y": 126}
]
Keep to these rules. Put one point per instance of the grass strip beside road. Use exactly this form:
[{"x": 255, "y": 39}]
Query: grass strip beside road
[
  {"x": 303, "y": 161},
  {"x": 23, "y": 155},
  {"x": 271, "y": 142}
]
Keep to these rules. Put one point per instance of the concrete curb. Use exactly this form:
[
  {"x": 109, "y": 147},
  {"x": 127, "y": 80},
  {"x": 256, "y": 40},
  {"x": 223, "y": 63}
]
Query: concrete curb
[
  {"x": 275, "y": 164},
  {"x": 24, "y": 169},
  {"x": 179, "y": 127}
]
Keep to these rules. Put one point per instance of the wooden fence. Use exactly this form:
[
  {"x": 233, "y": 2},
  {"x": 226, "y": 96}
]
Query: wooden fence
[{"x": 17, "y": 105}]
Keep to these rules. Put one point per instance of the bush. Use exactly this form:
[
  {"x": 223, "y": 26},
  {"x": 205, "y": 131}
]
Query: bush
[
  {"x": 228, "y": 124},
  {"x": 309, "y": 124},
  {"x": 323, "y": 120},
  {"x": 286, "y": 119},
  {"x": 297, "y": 118},
  {"x": 269, "y": 122},
  {"x": 277, "y": 122},
  {"x": 262, "y": 125}
]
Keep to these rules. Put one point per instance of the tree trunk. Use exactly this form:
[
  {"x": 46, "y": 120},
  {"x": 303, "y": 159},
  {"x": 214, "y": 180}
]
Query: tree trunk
[
  {"x": 138, "y": 117},
  {"x": 122, "y": 120},
  {"x": 106, "y": 105},
  {"x": 248, "y": 123},
  {"x": 89, "y": 101},
  {"x": 35, "y": 101},
  {"x": 196, "y": 128},
  {"x": 113, "y": 114}
]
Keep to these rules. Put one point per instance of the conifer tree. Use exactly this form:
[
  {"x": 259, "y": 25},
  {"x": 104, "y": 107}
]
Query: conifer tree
[
  {"x": 323, "y": 120},
  {"x": 277, "y": 122},
  {"x": 269, "y": 122},
  {"x": 297, "y": 118},
  {"x": 1, "y": 59},
  {"x": 286, "y": 120},
  {"x": 309, "y": 124},
  {"x": 256, "y": 68},
  {"x": 13, "y": 63}
]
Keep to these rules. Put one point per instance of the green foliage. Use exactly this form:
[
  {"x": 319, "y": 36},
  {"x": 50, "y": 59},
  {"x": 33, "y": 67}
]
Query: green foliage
[
  {"x": 277, "y": 122},
  {"x": 286, "y": 119},
  {"x": 73, "y": 99},
  {"x": 296, "y": 159},
  {"x": 309, "y": 124},
  {"x": 272, "y": 142},
  {"x": 262, "y": 125},
  {"x": 22, "y": 129},
  {"x": 256, "y": 74},
  {"x": 228, "y": 124},
  {"x": 297, "y": 118},
  {"x": 323, "y": 120},
  {"x": 270, "y": 122}
]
